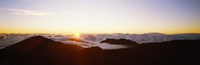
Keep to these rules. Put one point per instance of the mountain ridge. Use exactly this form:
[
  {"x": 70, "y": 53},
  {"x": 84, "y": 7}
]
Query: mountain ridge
[{"x": 182, "y": 52}]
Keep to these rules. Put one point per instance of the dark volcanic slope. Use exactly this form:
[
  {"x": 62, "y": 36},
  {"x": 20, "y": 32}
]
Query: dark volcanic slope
[
  {"x": 42, "y": 51},
  {"x": 120, "y": 42}
]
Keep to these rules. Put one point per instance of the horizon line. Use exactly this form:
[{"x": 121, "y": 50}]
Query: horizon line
[{"x": 100, "y": 33}]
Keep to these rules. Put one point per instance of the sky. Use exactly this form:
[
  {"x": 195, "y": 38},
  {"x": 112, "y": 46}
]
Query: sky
[{"x": 99, "y": 16}]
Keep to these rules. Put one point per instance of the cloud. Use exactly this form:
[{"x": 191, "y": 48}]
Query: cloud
[{"x": 27, "y": 12}]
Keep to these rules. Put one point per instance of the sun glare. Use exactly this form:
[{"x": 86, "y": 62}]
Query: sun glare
[{"x": 77, "y": 35}]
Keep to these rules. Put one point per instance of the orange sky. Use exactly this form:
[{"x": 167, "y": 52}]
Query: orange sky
[{"x": 99, "y": 16}]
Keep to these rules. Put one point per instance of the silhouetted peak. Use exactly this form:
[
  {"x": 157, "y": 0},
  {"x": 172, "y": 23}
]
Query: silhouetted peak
[
  {"x": 32, "y": 43},
  {"x": 37, "y": 37},
  {"x": 121, "y": 41},
  {"x": 39, "y": 50}
]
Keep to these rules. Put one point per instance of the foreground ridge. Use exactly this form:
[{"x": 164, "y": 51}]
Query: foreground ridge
[{"x": 42, "y": 51}]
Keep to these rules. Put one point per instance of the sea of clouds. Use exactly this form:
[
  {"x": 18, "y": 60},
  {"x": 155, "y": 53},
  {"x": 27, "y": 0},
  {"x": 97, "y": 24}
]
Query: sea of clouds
[{"x": 89, "y": 40}]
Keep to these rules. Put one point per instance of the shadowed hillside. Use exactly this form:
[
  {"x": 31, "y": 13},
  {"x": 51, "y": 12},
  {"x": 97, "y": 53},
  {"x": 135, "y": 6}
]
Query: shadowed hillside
[{"x": 42, "y": 51}]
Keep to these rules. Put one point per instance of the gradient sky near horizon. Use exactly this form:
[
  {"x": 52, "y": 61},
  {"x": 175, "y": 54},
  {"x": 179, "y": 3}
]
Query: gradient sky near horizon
[{"x": 99, "y": 16}]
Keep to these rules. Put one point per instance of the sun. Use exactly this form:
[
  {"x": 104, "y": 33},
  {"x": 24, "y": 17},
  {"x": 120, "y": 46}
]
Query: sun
[{"x": 77, "y": 35}]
